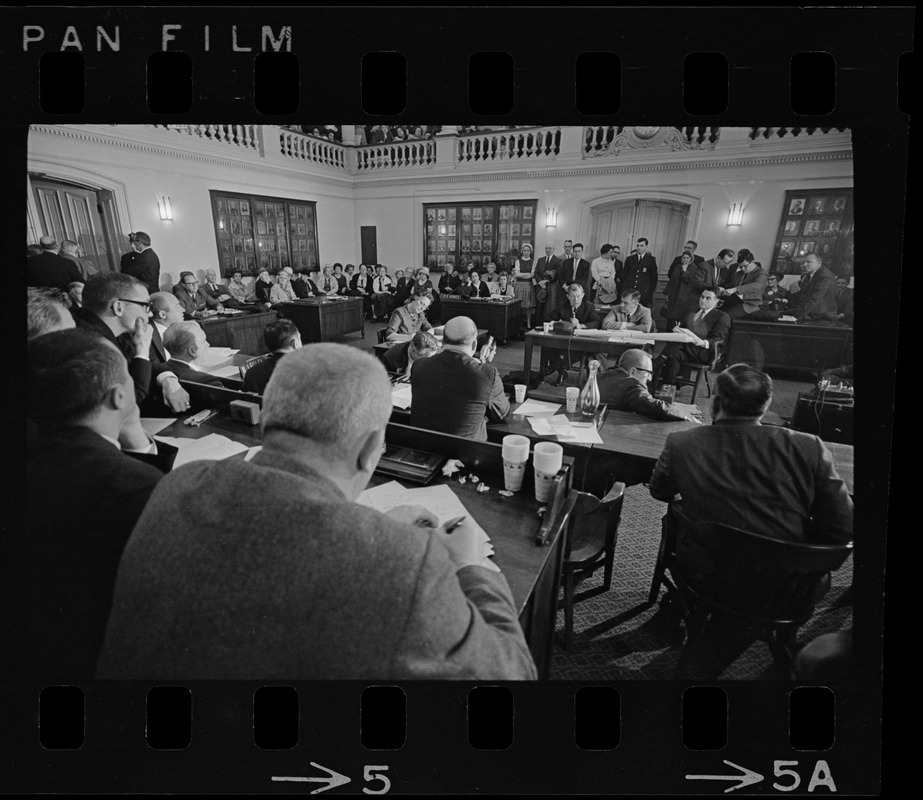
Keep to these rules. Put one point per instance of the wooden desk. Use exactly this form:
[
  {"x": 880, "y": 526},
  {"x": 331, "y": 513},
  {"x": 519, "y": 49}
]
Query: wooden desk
[
  {"x": 570, "y": 344},
  {"x": 500, "y": 318},
  {"x": 533, "y": 572},
  {"x": 786, "y": 345},
  {"x": 322, "y": 319},
  {"x": 242, "y": 332}
]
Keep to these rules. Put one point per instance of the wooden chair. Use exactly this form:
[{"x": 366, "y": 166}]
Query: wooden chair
[
  {"x": 593, "y": 534},
  {"x": 700, "y": 370},
  {"x": 243, "y": 368},
  {"x": 744, "y": 580},
  {"x": 382, "y": 335}
]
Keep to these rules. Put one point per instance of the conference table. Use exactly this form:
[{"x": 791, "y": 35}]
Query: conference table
[
  {"x": 501, "y": 318},
  {"x": 513, "y": 523},
  {"x": 320, "y": 319}
]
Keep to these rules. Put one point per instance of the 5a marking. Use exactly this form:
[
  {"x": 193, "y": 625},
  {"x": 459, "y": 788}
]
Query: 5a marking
[
  {"x": 370, "y": 773},
  {"x": 781, "y": 769}
]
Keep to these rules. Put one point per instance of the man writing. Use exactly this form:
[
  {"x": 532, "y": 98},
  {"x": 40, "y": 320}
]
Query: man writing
[
  {"x": 338, "y": 590},
  {"x": 743, "y": 293},
  {"x": 769, "y": 480},
  {"x": 453, "y": 391},
  {"x": 409, "y": 319},
  {"x": 625, "y": 388}
]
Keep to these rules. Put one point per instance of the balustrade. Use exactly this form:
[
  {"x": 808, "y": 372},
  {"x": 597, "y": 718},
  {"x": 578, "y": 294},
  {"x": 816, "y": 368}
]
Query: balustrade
[
  {"x": 780, "y": 133},
  {"x": 510, "y": 145},
  {"x": 241, "y": 135},
  {"x": 310, "y": 148},
  {"x": 418, "y": 152}
]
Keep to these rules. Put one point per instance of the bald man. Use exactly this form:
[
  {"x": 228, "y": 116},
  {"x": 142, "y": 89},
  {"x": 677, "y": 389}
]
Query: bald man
[
  {"x": 50, "y": 269},
  {"x": 625, "y": 388},
  {"x": 453, "y": 391},
  {"x": 282, "y": 575}
]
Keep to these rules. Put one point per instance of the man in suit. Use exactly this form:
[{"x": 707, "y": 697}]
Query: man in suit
[
  {"x": 334, "y": 589},
  {"x": 46, "y": 312},
  {"x": 629, "y": 315},
  {"x": 50, "y": 269},
  {"x": 401, "y": 357},
  {"x": 844, "y": 302},
  {"x": 816, "y": 302},
  {"x": 575, "y": 269},
  {"x": 575, "y": 310},
  {"x": 303, "y": 286},
  {"x": 192, "y": 297},
  {"x": 166, "y": 310},
  {"x": 625, "y": 388},
  {"x": 117, "y": 306},
  {"x": 141, "y": 261},
  {"x": 281, "y": 337},
  {"x": 640, "y": 272},
  {"x": 546, "y": 278},
  {"x": 453, "y": 391},
  {"x": 743, "y": 293},
  {"x": 769, "y": 480},
  {"x": 716, "y": 270},
  {"x": 90, "y": 471},
  {"x": 733, "y": 274},
  {"x": 69, "y": 250},
  {"x": 188, "y": 345},
  {"x": 708, "y": 327},
  {"x": 217, "y": 291}
]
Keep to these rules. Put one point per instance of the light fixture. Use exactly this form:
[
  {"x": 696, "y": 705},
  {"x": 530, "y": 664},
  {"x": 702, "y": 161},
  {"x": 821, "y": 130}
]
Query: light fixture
[
  {"x": 736, "y": 214},
  {"x": 551, "y": 217},
  {"x": 165, "y": 207}
]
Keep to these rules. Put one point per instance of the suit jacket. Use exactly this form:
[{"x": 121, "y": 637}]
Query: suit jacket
[
  {"x": 764, "y": 479},
  {"x": 304, "y": 288},
  {"x": 713, "y": 327},
  {"x": 186, "y": 372},
  {"x": 140, "y": 369},
  {"x": 713, "y": 277},
  {"x": 258, "y": 375},
  {"x": 353, "y": 594},
  {"x": 817, "y": 299},
  {"x": 193, "y": 304},
  {"x": 640, "y": 320},
  {"x": 575, "y": 273},
  {"x": 260, "y": 288},
  {"x": 219, "y": 290},
  {"x": 396, "y": 357},
  {"x": 143, "y": 266},
  {"x": 844, "y": 305},
  {"x": 750, "y": 288},
  {"x": 586, "y": 312},
  {"x": 678, "y": 261},
  {"x": 84, "y": 496},
  {"x": 641, "y": 274},
  {"x": 623, "y": 392},
  {"x": 49, "y": 269},
  {"x": 354, "y": 285},
  {"x": 454, "y": 394},
  {"x": 450, "y": 284},
  {"x": 545, "y": 265}
]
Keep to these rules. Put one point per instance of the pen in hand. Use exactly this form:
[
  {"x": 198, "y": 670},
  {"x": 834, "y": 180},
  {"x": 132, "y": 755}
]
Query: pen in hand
[{"x": 452, "y": 524}]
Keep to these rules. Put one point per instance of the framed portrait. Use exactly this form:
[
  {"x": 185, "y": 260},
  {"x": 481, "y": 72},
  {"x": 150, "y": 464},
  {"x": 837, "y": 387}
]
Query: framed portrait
[
  {"x": 787, "y": 249},
  {"x": 442, "y": 230},
  {"x": 812, "y": 227},
  {"x": 222, "y": 206},
  {"x": 526, "y": 228},
  {"x": 451, "y": 214},
  {"x": 238, "y": 245},
  {"x": 431, "y": 213},
  {"x": 251, "y": 263},
  {"x": 283, "y": 260},
  {"x": 504, "y": 227},
  {"x": 478, "y": 212},
  {"x": 486, "y": 246},
  {"x": 261, "y": 227},
  {"x": 451, "y": 230},
  {"x": 514, "y": 229},
  {"x": 430, "y": 229},
  {"x": 465, "y": 245},
  {"x": 302, "y": 229},
  {"x": 283, "y": 245},
  {"x": 488, "y": 228},
  {"x": 466, "y": 229},
  {"x": 233, "y": 206},
  {"x": 796, "y": 206},
  {"x": 791, "y": 227},
  {"x": 504, "y": 212},
  {"x": 488, "y": 213},
  {"x": 239, "y": 263},
  {"x": 260, "y": 211},
  {"x": 527, "y": 212},
  {"x": 264, "y": 262},
  {"x": 476, "y": 260},
  {"x": 440, "y": 260},
  {"x": 451, "y": 245},
  {"x": 515, "y": 212},
  {"x": 228, "y": 264},
  {"x": 837, "y": 205},
  {"x": 272, "y": 244},
  {"x": 431, "y": 245},
  {"x": 477, "y": 228},
  {"x": 235, "y": 227},
  {"x": 833, "y": 227},
  {"x": 440, "y": 214},
  {"x": 440, "y": 247},
  {"x": 225, "y": 245},
  {"x": 245, "y": 226},
  {"x": 817, "y": 205},
  {"x": 274, "y": 262},
  {"x": 476, "y": 246},
  {"x": 293, "y": 211},
  {"x": 805, "y": 248},
  {"x": 826, "y": 249},
  {"x": 466, "y": 213},
  {"x": 280, "y": 212},
  {"x": 245, "y": 208},
  {"x": 248, "y": 245}
]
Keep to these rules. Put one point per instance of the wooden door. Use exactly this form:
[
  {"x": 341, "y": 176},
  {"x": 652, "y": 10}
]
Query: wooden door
[
  {"x": 368, "y": 237},
  {"x": 75, "y": 213}
]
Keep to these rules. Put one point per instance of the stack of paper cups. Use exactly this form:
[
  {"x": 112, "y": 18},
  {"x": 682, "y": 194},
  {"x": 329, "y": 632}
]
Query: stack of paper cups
[
  {"x": 546, "y": 461},
  {"x": 515, "y": 456},
  {"x": 571, "y": 394}
]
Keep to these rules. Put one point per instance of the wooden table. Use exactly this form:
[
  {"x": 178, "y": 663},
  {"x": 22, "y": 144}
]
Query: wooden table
[
  {"x": 533, "y": 572},
  {"x": 242, "y": 332},
  {"x": 787, "y": 345},
  {"x": 569, "y": 344},
  {"x": 321, "y": 319},
  {"x": 501, "y": 318}
]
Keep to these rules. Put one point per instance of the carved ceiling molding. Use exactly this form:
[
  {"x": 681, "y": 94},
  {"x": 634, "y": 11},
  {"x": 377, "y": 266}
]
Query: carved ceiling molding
[{"x": 648, "y": 138}]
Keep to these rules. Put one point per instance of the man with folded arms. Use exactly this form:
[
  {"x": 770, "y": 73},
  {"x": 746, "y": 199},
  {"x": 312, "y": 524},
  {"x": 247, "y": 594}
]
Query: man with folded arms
[
  {"x": 338, "y": 590},
  {"x": 90, "y": 471},
  {"x": 217, "y": 291}
]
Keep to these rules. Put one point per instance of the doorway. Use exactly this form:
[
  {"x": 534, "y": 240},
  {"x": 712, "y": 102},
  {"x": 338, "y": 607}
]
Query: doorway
[
  {"x": 368, "y": 239},
  {"x": 79, "y": 213}
]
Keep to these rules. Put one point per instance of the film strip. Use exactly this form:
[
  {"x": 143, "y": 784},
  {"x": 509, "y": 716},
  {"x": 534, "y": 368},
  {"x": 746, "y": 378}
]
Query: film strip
[{"x": 806, "y": 67}]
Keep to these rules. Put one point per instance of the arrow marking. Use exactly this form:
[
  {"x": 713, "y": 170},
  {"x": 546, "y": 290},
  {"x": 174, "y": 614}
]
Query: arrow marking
[
  {"x": 332, "y": 779},
  {"x": 746, "y": 777}
]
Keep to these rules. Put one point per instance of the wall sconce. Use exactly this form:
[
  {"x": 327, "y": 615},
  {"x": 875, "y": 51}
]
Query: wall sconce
[
  {"x": 736, "y": 214},
  {"x": 165, "y": 207},
  {"x": 551, "y": 217}
]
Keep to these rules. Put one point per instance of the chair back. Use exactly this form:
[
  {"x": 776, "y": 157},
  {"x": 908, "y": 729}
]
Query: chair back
[
  {"x": 244, "y": 368},
  {"x": 382, "y": 333},
  {"x": 747, "y": 576},
  {"x": 594, "y": 523}
]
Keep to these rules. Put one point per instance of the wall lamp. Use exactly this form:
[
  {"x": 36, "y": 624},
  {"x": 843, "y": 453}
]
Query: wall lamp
[
  {"x": 736, "y": 214},
  {"x": 165, "y": 207},
  {"x": 551, "y": 217}
]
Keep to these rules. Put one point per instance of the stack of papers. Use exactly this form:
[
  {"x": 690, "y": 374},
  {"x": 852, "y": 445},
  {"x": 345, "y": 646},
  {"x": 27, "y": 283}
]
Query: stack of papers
[
  {"x": 564, "y": 430},
  {"x": 401, "y": 396},
  {"x": 213, "y": 447},
  {"x": 215, "y": 356},
  {"x": 532, "y": 407},
  {"x": 224, "y": 372},
  {"x": 154, "y": 425}
]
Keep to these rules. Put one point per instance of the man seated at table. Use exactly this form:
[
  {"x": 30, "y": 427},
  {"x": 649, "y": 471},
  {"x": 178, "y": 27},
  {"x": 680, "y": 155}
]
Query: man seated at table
[
  {"x": 844, "y": 302},
  {"x": 455, "y": 392},
  {"x": 708, "y": 327},
  {"x": 816, "y": 302},
  {"x": 192, "y": 297},
  {"x": 217, "y": 291},
  {"x": 409, "y": 319},
  {"x": 47, "y": 312},
  {"x": 90, "y": 470},
  {"x": 238, "y": 290},
  {"x": 629, "y": 315},
  {"x": 333, "y": 589},
  {"x": 188, "y": 345},
  {"x": 165, "y": 310},
  {"x": 303, "y": 286},
  {"x": 576, "y": 312},
  {"x": 763, "y": 479},
  {"x": 625, "y": 388},
  {"x": 401, "y": 357},
  {"x": 281, "y": 337}
]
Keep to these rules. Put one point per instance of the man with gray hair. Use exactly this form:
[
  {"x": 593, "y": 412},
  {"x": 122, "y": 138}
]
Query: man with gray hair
[
  {"x": 187, "y": 345},
  {"x": 453, "y": 391},
  {"x": 290, "y": 578},
  {"x": 50, "y": 269},
  {"x": 71, "y": 250},
  {"x": 47, "y": 312}
]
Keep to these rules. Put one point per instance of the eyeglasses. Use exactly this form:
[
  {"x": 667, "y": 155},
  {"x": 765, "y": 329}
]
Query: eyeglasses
[
  {"x": 641, "y": 369},
  {"x": 145, "y": 304},
  {"x": 190, "y": 283}
]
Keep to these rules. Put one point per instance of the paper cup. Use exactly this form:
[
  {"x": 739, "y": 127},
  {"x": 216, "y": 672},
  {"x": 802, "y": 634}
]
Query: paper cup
[
  {"x": 520, "y": 392},
  {"x": 546, "y": 326},
  {"x": 548, "y": 457},
  {"x": 543, "y": 483},
  {"x": 571, "y": 394},
  {"x": 513, "y": 475},
  {"x": 515, "y": 456}
]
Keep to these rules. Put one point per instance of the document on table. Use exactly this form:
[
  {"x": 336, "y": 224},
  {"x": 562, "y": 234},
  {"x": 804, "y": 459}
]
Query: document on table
[
  {"x": 532, "y": 407},
  {"x": 565, "y": 431},
  {"x": 213, "y": 447},
  {"x": 223, "y": 372},
  {"x": 154, "y": 425},
  {"x": 215, "y": 356},
  {"x": 401, "y": 396},
  {"x": 440, "y": 500}
]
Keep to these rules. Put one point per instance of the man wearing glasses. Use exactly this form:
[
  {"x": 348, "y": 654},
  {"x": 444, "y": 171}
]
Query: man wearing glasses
[
  {"x": 625, "y": 388},
  {"x": 118, "y": 307},
  {"x": 194, "y": 300}
]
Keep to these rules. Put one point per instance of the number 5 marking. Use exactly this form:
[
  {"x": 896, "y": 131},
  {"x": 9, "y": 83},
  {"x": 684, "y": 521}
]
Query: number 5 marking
[{"x": 369, "y": 775}]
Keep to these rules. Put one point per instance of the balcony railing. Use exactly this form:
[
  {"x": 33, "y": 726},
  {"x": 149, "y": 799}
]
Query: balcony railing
[
  {"x": 513, "y": 145},
  {"x": 602, "y": 140},
  {"x": 375, "y": 157},
  {"x": 310, "y": 148},
  {"x": 781, "y": 133},
  {"x": 241, "y": 135}
]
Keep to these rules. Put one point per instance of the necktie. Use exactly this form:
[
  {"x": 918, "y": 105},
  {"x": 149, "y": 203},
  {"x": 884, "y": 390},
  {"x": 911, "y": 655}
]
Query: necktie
[{"x": 698, "y": 318}]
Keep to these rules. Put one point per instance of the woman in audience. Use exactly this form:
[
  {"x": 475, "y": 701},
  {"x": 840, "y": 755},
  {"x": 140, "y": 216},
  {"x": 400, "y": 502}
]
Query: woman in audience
[
  {"x": 523, "y": 275},
  {"x": 263, "y": 287},
  {"x": 342, "y": 282},
  {"x": 475, "y": 287},
  {"x": 282, "y": 292},
  {"x": 328, "y": 284},
  {"x": 504, "y": 287},
  {"x": 361, "y": 286},
  {"x": 450, "y": 282},
  {"x": 238, "y": 290}
]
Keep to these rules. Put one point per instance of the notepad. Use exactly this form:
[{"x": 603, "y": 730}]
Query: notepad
[
  {"x": 224, "y": 372},
  {"x": 213, "y": 447},
  {"x": 531, "y": 407},
  {"x": 402, "y": 396}
]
